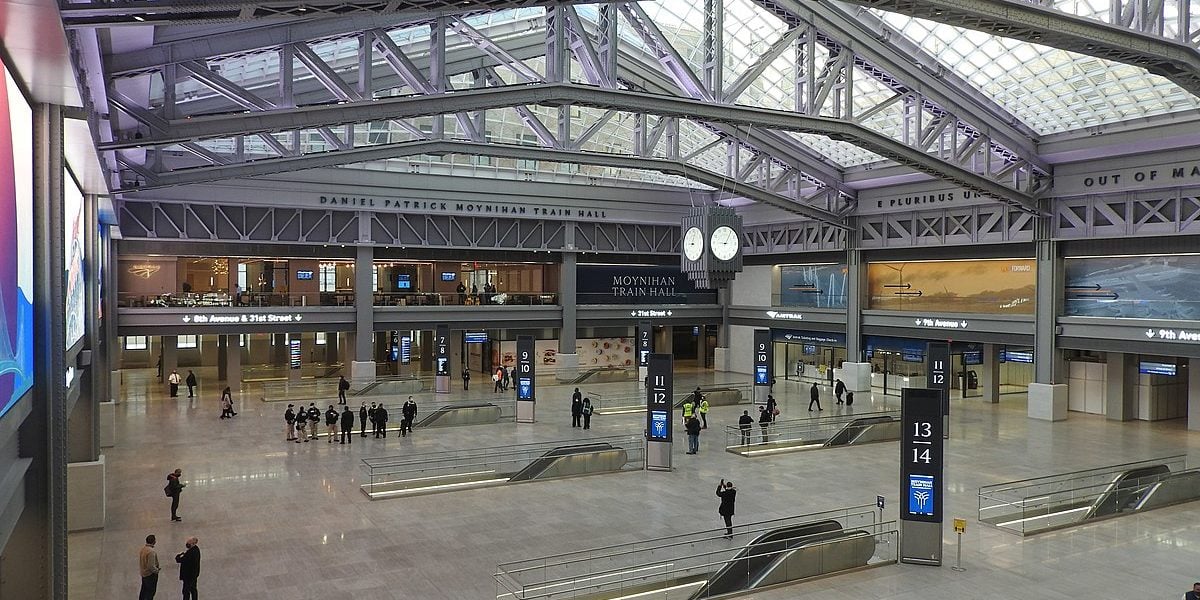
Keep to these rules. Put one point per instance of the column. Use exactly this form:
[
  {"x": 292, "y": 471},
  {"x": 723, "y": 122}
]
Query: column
[
  {"x": 232, "y": 362},
  {"x": 169, "y": 350},
  {"x": 855, "y": 372},
  {"x": 296, "y": 374},
  {"x": 362, "y": 370},
  {"x": 347, "y": 350},
  {"x": 331, "y": 347},
  {"x": 989, "y": 374},
  {"x": 222, "y": 357},
  {"x": 721, "y": 351},
  {"x": 1047, "y": 395},
  {"x": 1121, "y": 386},
  {"x": 567, "y": 360},
  {"x": 1193, "y": 390}
]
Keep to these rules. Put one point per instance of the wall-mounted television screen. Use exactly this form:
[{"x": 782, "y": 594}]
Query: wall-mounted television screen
[
  {"x": 404, "y": 282},
  {"x": 449, "y": 276},
  {"x": 304, "y": 275},
  {"x": 972, "y": 357},
  {"x": 475, "y": 337},
  {"x": 1017, "y": 356},
  {"x": 1157, "y": 368},
  {"x": 16, "y": 244},
  {"x": 912, "y": 356}
]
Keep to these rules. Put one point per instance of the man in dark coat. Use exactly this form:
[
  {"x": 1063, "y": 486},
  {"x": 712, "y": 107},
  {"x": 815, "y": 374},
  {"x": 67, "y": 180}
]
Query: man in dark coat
[
  {"x": 347, "y": 426},
  {"x": 728, "y": 495},
  {"x": 362, "y": 419},
  {"x": 814, "y": 398},
  {"x": 343, "y": 387},
  {"x": 174, "y": 489},
  {"x": 409, "y": 413},
  {"x": 289, "y": 418},
  {"x": 189, "y": 568},
  {"x": 576, "y": 408},
  {"x": 839, "y": 388},
  {"x": 381, "y": 418},
  {"x": 191, "y": 383},
  {"x": 314, "y": 420}
]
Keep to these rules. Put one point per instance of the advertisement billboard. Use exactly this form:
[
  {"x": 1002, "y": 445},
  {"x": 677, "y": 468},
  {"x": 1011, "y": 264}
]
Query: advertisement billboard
[
  {"x": 816, "y": 286},
  {"x": 993, "y": 286},
  {"x": 75, "y": 293},
  {"x": 16, "y": 244},
  {"x": 1132, "y": 287}
]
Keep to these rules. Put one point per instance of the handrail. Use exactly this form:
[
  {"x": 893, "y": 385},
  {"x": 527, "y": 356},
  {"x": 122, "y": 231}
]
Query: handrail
[{"x": 1083, "y": 473}]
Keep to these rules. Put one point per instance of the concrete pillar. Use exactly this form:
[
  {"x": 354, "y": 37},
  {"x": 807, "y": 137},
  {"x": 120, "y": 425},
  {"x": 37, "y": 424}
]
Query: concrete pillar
[
  {"x": 1121, "y": 387},
  {"x": 664, "y": 339},
  {"x": 989, "y": 374},
  {"x": 1047, "y": 402},
  {"x": 855, "y": 278},
  {"x": 331, "y": 347},
  {"x": 232, "y": 362},
  {"x": 1048, "y": 364},
  {"x": 567, "y": 360},
  {"x": 170, "y": 355},
  {"x": 1193, "y": 403},
  {"x": 362, "y": 369},
  {"x": 222, "y": 356}
]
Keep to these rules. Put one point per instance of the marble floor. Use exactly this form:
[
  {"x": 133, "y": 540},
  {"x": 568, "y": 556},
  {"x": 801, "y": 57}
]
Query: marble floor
[{"x": 284, "y": 520}]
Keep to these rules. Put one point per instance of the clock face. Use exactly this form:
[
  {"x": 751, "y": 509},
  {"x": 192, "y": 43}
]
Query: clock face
[
  {"x": 724, "y": 243},
  {"x": 693, "y": 243}
]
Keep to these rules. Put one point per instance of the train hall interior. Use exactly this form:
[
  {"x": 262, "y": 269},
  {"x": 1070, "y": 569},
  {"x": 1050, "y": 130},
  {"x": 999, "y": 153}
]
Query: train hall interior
[{"x": 450, "y": 299}]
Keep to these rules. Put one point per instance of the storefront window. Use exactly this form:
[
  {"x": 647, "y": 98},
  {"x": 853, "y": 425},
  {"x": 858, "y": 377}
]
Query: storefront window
[{"x": 135, "y": 342}]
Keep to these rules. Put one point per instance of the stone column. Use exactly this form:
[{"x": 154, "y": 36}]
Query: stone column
[
  {"x": 362, "y": 370},
  {"x": 989, "y": 374},
  {"x": 169, "y": 347},
  {"x": 1121, "y": 387},
  {"x": 1193, "y": 392},
  {"x": 567, "y": 360},
  {"x": 233, "y": 362}
]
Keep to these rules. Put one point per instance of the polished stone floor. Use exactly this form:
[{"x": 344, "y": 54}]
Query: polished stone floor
[{"x": 284, "y": 520}]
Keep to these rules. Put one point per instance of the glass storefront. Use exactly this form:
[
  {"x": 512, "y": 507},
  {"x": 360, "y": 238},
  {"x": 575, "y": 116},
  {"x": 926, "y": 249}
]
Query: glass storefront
[{"x": 807, "y": 355}]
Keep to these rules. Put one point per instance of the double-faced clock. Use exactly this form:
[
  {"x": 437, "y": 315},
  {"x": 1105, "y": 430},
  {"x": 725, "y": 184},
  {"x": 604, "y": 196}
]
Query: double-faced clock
[{"x": 712, "y": 246}]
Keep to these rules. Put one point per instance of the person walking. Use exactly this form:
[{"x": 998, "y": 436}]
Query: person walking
[
  {"x": 173, "y": 490},
  {"x": 728, "y": 495},
  {"x": 764, "y": 422},
  {"x": 466, "y": 377},
  {"x": 693, "y": 434},
  {"x": 586, "y": 411},
  {"x": 148, "y": 567},
  {"x": 173, "y": 381},
  {"x": 227, "y": 404},
  {"x": 497, "y": 380},
  {"x": 703, "y": 410},
  {"x": 314, "y": 420},
  {"x": 362, "y": 419},
  {"x": 839, "y": 389},
  {"x": 506, "y": 378},
  {"x": 381, "y": 419},
  {"x": 347, "y": 426},
  {"x": 745, "y": 424},
  {"x": 191, "y": 383},
  {"x": 331, "y": 423},
  {"x": 799, "y": 368},
  {"x": 576, "y": 408},
  {"x": 814, "y": 395},
  {"x": 772, "y": 407},
  {"x": 189, "y": 568},
  {"x": 409, "y": 412},
  {"x": 343, "y": 387}
]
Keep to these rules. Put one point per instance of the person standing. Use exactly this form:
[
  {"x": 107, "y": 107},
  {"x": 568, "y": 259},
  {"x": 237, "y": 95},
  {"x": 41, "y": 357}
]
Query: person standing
[
  {"x": 314, "y": 420},
  {"x": 496, "y": 379},
  {"x": 174, "y": 489},
  {"x": 301, "y": 421},
  {"x": 839, "y": 389},
  {"x": 343, "y": 387},
  {"x": 576, "y": 408},
  {"x": 703, "y": 410},
  {"x": 466, "y": 376},
  {"x": 689, "y": 408},
  {"x": 799, "y": 369},
  {"x": 173, "y": 380},
  {"x": 331, "y": 423},
  {"x": 362, "y": 419},
  {"x": 289, "y": 419},
  {"x": 189, "y": 568},
  {"x": 461, "y": 290},
  {"x": 158, "y": 368},
  {"x": 814, "y": 395},
  {"x": 1194, "y": 594},
  {"x": 693, "y": 434},
  {"x": 586, "y": 411},
  {"x": 745, "y": 424},
  {"x": 728, "y": 495},
  {"x": 772, "y": 407},
  {"x": 149, "y": 568},
  {"x": 506, "y": 378},
  {"x": 764, "y": 422},
  {"x": 191, "y": 383},
  {"x": 381, "y": 419},
  {"x": 408, "y": 413},
  {"x": 347, "y": 426}
]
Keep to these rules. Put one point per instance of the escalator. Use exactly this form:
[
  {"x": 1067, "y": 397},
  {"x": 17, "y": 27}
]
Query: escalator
[
  {"x": 461, "y": 414},
  {"x": 760, "y": 556},
  {"x": 1126, "y": 491},
  {"x": 866, "y": 429},
  {"x": 573, "y": 460}
]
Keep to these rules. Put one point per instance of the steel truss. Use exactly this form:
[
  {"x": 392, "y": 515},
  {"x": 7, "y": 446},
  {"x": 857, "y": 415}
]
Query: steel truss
[
  {"x": 201, "y": 222},
  {"x": 982, "y": 224},
  {"x": 1160, "y": 36},
  {"x": 1132, "y": 214},
  {"x": 943, "y": 135},
  {"x": 799, "y": 236}
]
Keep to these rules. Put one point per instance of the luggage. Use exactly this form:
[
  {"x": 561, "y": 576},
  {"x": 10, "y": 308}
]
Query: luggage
[{"x": 849, "y": 398}]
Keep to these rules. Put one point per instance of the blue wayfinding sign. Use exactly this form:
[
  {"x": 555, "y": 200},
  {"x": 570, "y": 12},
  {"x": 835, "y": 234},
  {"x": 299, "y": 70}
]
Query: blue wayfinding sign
[
  {"x": 524, "y": 389},
  {"x": 658, "y": 425},
  {"x": 761, "y": 377},
  {"x": 921, "y": 495}
]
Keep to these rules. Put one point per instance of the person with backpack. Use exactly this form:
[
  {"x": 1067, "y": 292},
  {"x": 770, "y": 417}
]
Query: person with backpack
[
  {"x": 173, "y": 490},
  {"x": 772, "y": 407},
  {"x": 586, "y": 411},
  {"x": 331, "y": 422},
  {"x": 343, "y": 387},
  {"x": 839, "y": 389},
  {"x": 227, "y": 404},
  {"x": 289, "y": 417}
]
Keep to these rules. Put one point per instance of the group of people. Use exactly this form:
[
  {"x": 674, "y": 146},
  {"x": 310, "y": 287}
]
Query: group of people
[
  {"x": 189, "y": 568},
  {"x": 581, "y": 409},
  {"x": 502, "y": 379},
  {"x": 489, "y": 291},
  {"x": 302, "y": 424},
  {"x": 173, "y": 381}
]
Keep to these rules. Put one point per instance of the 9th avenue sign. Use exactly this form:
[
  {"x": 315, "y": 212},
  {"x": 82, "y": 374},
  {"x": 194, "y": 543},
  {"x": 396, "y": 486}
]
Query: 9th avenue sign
[{"x": 217, "y": 319}]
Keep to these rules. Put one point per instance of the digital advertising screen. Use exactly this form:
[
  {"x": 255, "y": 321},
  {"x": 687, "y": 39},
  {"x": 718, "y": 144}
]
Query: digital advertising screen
[
  {"x": 449, "y": 276},
  {"x": 75, "y": 294},
  {"x": 404, "y": 282},
  {"x": 972, "y": 357},
  {"x": 304, "y": 275},
  {"x": 658, "y": 425},
  {"x": 524, "y": 388},
  {"x": 761, "y": 377},
  {"x": 16, "y": 244}
]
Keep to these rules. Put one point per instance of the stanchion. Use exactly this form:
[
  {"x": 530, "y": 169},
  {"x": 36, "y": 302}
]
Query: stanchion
[
  {"x": 960, "y": 526},
  {"x": 879, "y": 501}
]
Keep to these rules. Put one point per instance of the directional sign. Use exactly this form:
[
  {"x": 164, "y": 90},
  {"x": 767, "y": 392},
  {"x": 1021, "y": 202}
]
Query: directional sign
[
  {"x": 659, "y": 397},
  {"x": 921, "y": 454},
  {"x": 645, "y": 342},
  {"x": 940, "y": 323},
  {"x": 651, "y": 313},
  {"x": 441, "y": 350},
  {"x": 763, "y": 350},
  {"x": 525, "y": 367},
  {"x": 229, "y": 319}
]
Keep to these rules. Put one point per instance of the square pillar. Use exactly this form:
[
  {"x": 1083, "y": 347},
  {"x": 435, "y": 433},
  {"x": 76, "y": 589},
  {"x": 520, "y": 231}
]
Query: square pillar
[
  {"x": 1121, "y": 387},
  {"x": 1047, "y": 401},
  {"x": 85, "y": 495},
  {"x": 169, "y": 351},
  {"x": 362, "y": 369},
  {"x": 989, "y": 374},
  {"x": 1193, "y": 395},
  {"x": 232, "y": 362},
  {"x": 856, "y": 376}
]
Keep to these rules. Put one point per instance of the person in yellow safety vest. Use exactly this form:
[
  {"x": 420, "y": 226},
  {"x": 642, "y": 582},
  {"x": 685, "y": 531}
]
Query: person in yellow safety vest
[
  {"x": 688, "y": 409},
  {"x": 704, "y": 413}
]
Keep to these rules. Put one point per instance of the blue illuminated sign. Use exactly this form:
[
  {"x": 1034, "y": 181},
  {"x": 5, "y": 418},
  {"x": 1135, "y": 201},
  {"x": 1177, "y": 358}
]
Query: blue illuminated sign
[
  {"x": 1156, "y": 368},
  {"x": 920, "y": 495},
  {"x": 972, "y": 357},
  {"x": 524, "y": 388},
  {"x": 658, "y": 425},
  {"x": 472, "y": 337},
  {"x": 1024, "y": 356},
  {"x": 405, "y": 350},
  {"x": 449, "y": 276},
  {"x": 304, "y": 275},
  {"x": 760, "y": 375}
]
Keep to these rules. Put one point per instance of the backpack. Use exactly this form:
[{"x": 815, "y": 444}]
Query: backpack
[
  {"x": 849, "y": 398},
  {"x": 167, "y": 489}
]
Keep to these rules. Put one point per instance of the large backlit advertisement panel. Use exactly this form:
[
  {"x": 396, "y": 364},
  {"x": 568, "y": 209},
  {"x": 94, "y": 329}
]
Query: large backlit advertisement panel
[
  {"x": 1133, "y": 287},
  {"x": 987, "y": 286},
  {"x": 73, "y": 237},
  {"x": 818, "y": 286},
  {"x": 16, "y": 244}
]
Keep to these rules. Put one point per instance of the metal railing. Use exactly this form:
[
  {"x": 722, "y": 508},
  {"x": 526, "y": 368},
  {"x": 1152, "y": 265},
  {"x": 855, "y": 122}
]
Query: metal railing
[
  {"x": 682, "y": 563},
  {"x": 792, "y": 434},
  {"x": 455, "y": 469},
  {"x": 609, "y": 403},
  {"x": 1041, "y": 504}
]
